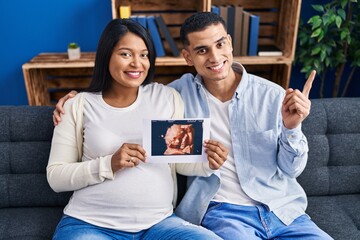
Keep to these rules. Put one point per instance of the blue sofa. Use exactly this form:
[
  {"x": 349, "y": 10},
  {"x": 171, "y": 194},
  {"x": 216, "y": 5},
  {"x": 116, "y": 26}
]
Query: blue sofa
[{"x": 30, "y": 210}]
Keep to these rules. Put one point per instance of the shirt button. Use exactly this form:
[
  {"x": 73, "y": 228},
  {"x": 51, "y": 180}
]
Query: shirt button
[{"x": 290, "y": 136}]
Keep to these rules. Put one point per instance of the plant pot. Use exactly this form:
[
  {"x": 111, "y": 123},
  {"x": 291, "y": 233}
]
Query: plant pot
[{"x": 74, "y": 53}]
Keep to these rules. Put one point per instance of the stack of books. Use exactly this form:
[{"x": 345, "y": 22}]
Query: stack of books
[
  {"x": 157, "y": 29},
  {"x": 243, "y": 27},
  {"x": 159, "y": 33}
]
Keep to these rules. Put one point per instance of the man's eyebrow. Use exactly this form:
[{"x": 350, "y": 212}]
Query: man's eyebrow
[
  {"x": 221, "y": 39},
  {"x": 198, "y": 48},
  {"x": 201, "y": 47}
]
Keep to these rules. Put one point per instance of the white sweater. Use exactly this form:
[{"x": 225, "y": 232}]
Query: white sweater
[{"x": 74, "y": 167}]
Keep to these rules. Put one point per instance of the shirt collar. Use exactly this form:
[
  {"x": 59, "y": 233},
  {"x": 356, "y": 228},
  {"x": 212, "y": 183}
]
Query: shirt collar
[{"x": 237, "y": 67}]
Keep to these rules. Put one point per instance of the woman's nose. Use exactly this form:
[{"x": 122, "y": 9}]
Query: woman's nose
[{"x": 135, "y": 61}]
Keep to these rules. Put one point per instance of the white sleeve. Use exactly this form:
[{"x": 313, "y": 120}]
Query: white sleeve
[
  {"x": 179, "y": 109},
  {"x": 194, "y": 169},
  {"x": 65, "y": 171}
]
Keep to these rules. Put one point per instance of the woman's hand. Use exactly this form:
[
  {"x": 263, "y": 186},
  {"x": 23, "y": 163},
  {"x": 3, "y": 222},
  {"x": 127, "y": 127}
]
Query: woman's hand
[
  {"x": 217, "y": 153},
  {"x": 127, "y": 156}
]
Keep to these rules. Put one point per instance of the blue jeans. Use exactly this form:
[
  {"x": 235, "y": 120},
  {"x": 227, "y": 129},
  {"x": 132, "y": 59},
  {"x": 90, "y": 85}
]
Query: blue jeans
[
  {"x": 173, "y": 227},
  {"x": 231, "y": 221}
]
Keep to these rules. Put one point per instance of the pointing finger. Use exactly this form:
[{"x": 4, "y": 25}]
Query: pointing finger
[{"x": 308, "y": 84}]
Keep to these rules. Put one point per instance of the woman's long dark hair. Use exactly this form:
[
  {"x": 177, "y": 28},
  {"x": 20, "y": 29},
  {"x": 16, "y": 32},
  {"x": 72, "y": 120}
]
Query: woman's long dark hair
[{"x": 113, "y": 32}]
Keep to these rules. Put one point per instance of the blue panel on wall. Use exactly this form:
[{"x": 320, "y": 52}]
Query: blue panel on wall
[{"x": 47, "y": 26}]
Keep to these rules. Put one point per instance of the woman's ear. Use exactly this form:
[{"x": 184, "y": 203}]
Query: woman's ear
[{"x": 187, "y": 57}]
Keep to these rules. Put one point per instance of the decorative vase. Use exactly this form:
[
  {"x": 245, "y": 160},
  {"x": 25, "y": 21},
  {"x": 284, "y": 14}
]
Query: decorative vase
[{"x": 74, "y": 53}]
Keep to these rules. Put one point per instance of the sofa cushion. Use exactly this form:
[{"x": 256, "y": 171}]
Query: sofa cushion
[
  {"x": 333, "y": 133},
  {"x": 29, "y": 223},
  {"x": 25, "y": 140}
]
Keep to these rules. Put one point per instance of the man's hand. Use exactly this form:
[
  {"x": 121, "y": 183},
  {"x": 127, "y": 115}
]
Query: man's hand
[
  {"x": 296, "y": 104},
  {"x": 217, "y": 153},
  {"x": 59, "y": 107}
]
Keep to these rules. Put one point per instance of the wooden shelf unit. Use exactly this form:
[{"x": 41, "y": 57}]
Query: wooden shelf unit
[
  {"x": 279, "y": 20},
  {"x": 49, "y": 76}
]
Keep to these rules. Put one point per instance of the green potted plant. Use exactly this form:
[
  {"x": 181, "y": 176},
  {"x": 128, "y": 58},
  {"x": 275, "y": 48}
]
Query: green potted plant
[
  {"x": 330, "y": 41},
  {"x": 73, "y": 51}
]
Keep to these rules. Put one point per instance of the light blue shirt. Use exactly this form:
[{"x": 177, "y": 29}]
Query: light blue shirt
[{"x": 268, "y": 157}]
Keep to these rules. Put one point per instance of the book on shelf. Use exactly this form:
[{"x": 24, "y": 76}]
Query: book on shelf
[
  {"x": 125, "y": 11},
  {"x": 237, "y": 30},
  {"x": 245, "y": 34},
  {"x": 134, "y": 18},
  {"x": 215, "y": 9},
  {"x": 269, "y": 50},
  {"x": 155, "y": 35},
  {"x": 231, "y": 21},
  {"x": 165, "y": 32},
  {"x": 142, "y": 20},
  {"x": 254, "y": 25},
  {"x": 224, "y": 13}
]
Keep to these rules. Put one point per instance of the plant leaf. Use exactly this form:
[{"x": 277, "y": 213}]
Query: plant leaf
[
  {"x": 315, "y": 51},
  {"x": 316, "y": 32},
  {"x": 316, "y": 23},
  {"x": 338, "y": 21},
  {"x": 318, "y": 8},
  {"x": 348, "y": 39},
  {"x": 343, "y": 3},
  {"x": 341, "y": 13},
  {"x": 313, "y": 19},
  {"x": 327, "y": 62},
  {"x": 321, "y": 36},
  {"x": 343, "y": 35},
  {"x": 322, "y": 55},
  {"x": 325, "y": 19}
]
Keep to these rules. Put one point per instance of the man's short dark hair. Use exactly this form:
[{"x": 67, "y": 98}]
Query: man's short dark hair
[{"x": 197, "y": 22}]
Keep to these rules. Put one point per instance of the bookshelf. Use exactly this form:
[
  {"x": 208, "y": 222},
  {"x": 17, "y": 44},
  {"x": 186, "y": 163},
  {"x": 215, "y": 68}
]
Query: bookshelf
[
  {"x": 49, "y": 76},
  {"x": 279, "y": 21}
]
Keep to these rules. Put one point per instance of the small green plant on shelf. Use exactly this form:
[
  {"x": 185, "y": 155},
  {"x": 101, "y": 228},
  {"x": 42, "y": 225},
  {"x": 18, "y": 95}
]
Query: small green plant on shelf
[
  {"x": 73, "y": 51},
  {"x": 73, "y": 45},
  {"x": 330, "y": 40}
]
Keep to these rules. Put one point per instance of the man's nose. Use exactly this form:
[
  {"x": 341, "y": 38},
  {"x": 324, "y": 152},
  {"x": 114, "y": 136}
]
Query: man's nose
[{"x": 214, "y": 55}]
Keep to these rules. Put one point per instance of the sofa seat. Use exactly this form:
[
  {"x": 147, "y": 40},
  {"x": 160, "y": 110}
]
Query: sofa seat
[{"x": 338, "y": 215}]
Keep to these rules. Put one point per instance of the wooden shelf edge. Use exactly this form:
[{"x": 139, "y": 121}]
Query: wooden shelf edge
[
  {"x": 256, "y": 60},
  {"x": 245, "y": 60},
  {"x": 27, "y": 66},
  {"x": 58, "y": 60},
  {"x": 170, "y": 61}
]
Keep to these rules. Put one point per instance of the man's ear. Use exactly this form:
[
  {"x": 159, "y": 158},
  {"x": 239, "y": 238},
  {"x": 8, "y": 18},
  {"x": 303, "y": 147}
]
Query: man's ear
[
  {"x": 230, "y": 41},
  {"x": 187, "y": 57}
]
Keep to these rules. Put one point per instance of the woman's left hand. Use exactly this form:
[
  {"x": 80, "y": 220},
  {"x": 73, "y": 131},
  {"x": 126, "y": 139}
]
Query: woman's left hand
[{"x": 217, "y": 153}]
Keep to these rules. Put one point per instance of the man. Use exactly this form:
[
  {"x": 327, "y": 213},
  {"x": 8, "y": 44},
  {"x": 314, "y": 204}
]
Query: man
[{"x": 255, "y": 194}]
